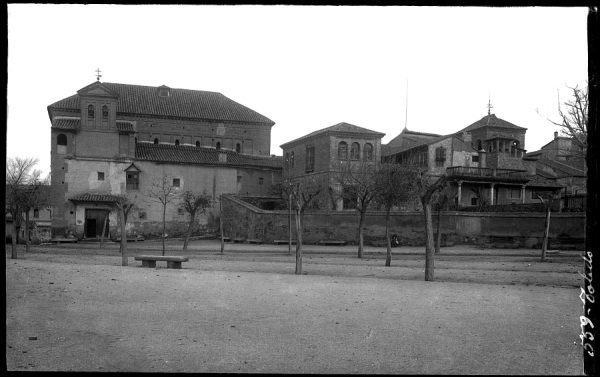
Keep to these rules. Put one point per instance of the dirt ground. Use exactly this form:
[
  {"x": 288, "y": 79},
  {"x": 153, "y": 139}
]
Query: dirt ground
[{"x": 72, "y": 307}]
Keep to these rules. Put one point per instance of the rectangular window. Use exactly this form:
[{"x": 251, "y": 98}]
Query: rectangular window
[
  {"x": 515, "y": 193},
  {"x": 132, "y": 182},
  {"x": 176, "y": 182},
  {"x": 261, "y": 180},
  {"x": 310, "y": 158},
  {"x": 36, "y": 213},
  {"x": 101, "y": 176},
  {"x": 475, "y": 159}
]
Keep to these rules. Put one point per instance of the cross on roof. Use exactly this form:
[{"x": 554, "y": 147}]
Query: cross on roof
[
  {"x": 489, "y": 106},
  {"x": 98, "y": 75}
]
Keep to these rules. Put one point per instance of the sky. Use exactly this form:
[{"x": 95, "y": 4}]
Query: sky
[{"x": 431, "y": 69}]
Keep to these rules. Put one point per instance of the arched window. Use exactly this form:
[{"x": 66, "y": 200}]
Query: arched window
[
  {"x": 61, "y": 139},
  {"x": 176, "y": 142},
  {"x": 355, "y": 151},
  {"x": 155, "y": 140},
  {"x": 238, "y": 148},
  {"x": 197, "y": 143},
  {"x": 104, "y": 112},
  {"x": 91, "y": 111},
  {"x": 514, "y": 147},
  {"x": 368, "y": 152},
  {"x": 218, "y": 146},
  {"x": 343, "y": 150}
]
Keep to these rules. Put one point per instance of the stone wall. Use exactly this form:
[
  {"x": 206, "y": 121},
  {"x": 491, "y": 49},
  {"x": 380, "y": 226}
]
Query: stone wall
[{"x": 242, "y": 220}]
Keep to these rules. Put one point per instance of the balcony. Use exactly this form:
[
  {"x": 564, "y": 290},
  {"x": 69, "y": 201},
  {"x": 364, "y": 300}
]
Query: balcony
[{"x": 487, "y": 174}]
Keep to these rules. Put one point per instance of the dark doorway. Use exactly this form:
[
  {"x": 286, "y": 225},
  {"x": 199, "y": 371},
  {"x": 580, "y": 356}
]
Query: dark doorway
[{"x": 94, "y": 220}]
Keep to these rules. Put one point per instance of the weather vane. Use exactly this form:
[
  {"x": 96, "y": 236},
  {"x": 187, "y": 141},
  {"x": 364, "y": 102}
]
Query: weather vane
[
  {"x": 98, "y": 75},
  {"x": 489, "y": 105}
]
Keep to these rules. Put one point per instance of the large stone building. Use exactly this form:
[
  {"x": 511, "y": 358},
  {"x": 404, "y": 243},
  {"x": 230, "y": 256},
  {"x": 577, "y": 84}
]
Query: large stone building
[
  {"x": 484, "y": 162},
  {"x": 319, "y": 154},
  {"x": 110, "y": 139}
]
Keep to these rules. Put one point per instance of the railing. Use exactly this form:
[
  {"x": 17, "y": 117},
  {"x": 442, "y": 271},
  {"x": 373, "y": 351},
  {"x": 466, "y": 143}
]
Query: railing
[{"x": 506, "y": 174}]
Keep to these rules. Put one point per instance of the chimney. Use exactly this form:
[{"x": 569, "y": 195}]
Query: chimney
[
  {"x": 555, "y": 134},
  {"x": 482, "y": 162}
]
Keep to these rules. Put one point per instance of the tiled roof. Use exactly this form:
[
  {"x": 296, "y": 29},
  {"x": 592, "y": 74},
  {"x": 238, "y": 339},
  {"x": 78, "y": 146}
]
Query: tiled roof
[
  {"x": 66, "y": 124},
  {"x": 125, "y": 126},
  {"x": 562, "y": 170},
  {"x": 92, "y": 197},
  {"x": 539, "y": 181},
  {"x": 181, "y": 103},
  {"x": 409, "y": 139},
  {"x": 339, "y": 128},
  {"x": 198, "y": 155},
  {"x": 492, "y": 121}
]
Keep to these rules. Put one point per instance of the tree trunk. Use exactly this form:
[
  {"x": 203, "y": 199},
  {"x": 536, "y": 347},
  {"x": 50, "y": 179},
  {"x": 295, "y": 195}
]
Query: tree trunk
[
  {"x": 438, "y": 234},
  {"x": 388, "y": 242},
  {"x": 429, "y": 247},
  {"x": 163, "y": 229},
  {"x": 123, "y": 245},
  {"x": 290, "y": 224},
  {"x": 298, "y": 242},
  {"x": 546, "y": 234},
  {"x": 13, "y": 252},
  {"x": 27, "y": 242},
  {"x": 189, "y": 231},
  {"x": 221, "y": 224},
  {"x": 361, "y": 221}
]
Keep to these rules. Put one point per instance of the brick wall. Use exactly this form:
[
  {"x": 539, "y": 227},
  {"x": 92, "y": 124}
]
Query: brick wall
[{"x": 243, "y": 220}]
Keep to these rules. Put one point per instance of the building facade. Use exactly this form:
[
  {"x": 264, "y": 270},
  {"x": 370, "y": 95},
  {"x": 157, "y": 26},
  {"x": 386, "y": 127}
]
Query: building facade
[
  {"x": 320, "y": 153},
  {"x": 484, "y": 162},
  {"x": 114, "y": 139}
]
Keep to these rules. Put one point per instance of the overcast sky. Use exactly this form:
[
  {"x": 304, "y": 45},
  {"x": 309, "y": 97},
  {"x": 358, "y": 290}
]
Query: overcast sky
[{"x": 304, "y": 67}]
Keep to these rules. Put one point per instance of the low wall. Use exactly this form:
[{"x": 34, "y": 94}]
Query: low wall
[{"x": 503, "y": 229}]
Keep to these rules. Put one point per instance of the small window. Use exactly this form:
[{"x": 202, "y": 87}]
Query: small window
[
  {"x": 355, "y": 151},
  {"x": 155, "y": 140},
  {"x": 261, "y": 180},
  {"x": 101, "y": 176},
  {"x": 291, "y": 159},
  {"x": 176, "y": 182},
  {"x": 177, "y": 142},
  {"x": 197, "y": 144},
  {"x": 61, "y": 139},
  {"x": 475, "y": 158},
  {"x": 474, "y": 201},
  {"x": 238, "y": 147},
  {"x": 142, "y": 215},
  {"x": 218, "y": 145},
  {"x": 180, "y": 211},
  {"x": 132, "y": 181},
  {"x": 479, "y": 145},
  {"x": 287, "y": 160},
  {"x": 91, "y": 112},
  {"x": 368, "y": 153},
  {"x": 440, "y": 156},
  {"x": 36, "y": 213},
  {"x": 105, "y": 112},
  {"x": 343, "y": 150}
]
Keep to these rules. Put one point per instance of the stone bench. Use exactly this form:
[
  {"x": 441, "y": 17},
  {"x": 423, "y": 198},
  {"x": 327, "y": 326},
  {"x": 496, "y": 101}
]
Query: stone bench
[
  {"x": 283, "y": 242},
  {"x": 254, "y": 241},
  {"x": 150, "y": 260},
  {"x": 332, "y": 243}
]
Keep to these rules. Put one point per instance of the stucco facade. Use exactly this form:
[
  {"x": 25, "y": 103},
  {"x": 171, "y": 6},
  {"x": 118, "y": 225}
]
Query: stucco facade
[{"x": 115, "y": 139}]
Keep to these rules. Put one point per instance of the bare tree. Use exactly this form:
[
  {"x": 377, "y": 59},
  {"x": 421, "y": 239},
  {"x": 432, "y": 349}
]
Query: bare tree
[
  {"x": 441, "y": 201},
  {"x": 194, "y": 204},
  {"x": 304, "y": 191},
  {"x": 396, "y": 185},
  {"x": 163, "y": 192},
  {"x": 124, "y": 204},
  {"x": 357, "y": 182},
  {"x": 20, "y": 179},
  {"x": 427, "y": 186},
  {"x": 574, "y": 119}
]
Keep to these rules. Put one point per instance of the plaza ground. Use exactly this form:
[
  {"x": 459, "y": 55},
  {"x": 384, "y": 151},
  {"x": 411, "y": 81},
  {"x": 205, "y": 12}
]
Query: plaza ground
[{"x": 72, "y": 307}]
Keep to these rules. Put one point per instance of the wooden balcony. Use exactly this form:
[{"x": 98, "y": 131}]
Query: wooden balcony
[{"x": 487, "y": 174}]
